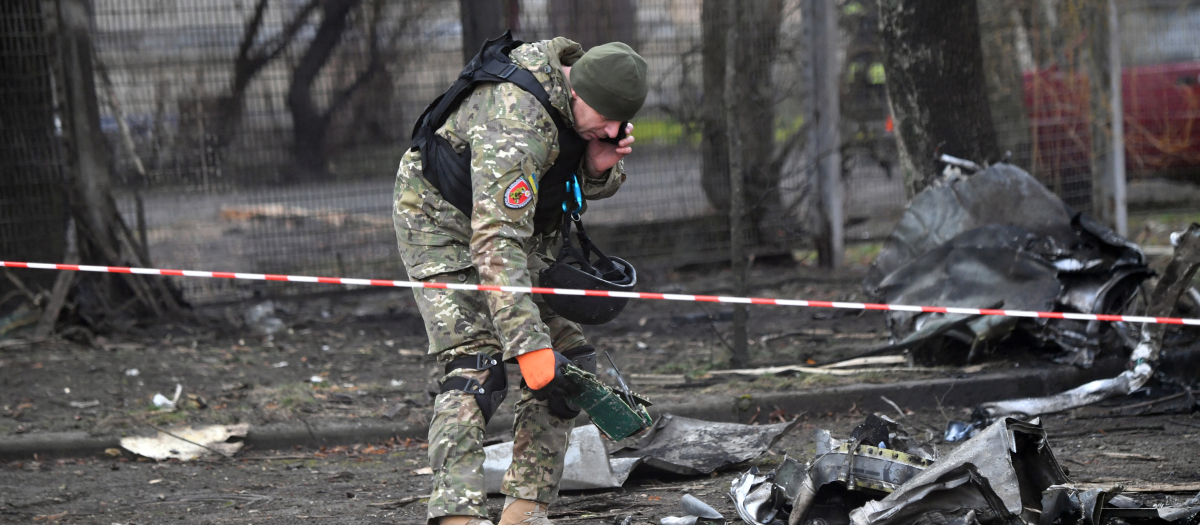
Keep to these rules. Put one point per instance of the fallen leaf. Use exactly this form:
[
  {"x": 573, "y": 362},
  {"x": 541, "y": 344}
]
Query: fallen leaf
[{"x": 423, "y": 471}]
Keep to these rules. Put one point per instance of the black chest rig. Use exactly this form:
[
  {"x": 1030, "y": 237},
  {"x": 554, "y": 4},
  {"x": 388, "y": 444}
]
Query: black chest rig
[{"x": 450, "y": 172}]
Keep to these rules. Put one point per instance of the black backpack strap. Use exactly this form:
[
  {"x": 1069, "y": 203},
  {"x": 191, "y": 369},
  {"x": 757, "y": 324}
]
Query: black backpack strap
[{"x": 446, "y": 169}]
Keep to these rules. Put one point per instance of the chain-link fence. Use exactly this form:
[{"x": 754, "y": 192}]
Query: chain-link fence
[
  {"x": 203, "y": 102},
  {"x": 31, "y": 200},
  {"x": 263, "y": 136},
  {"x": 1041, "y": 60}
]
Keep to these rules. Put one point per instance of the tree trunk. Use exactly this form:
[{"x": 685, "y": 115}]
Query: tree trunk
[
  {"x": 1000, "y": 29},
  {"x": 734, "y": 93},
  {"x": 366, "y": 113},
  {"x": 88, "y": 155},
  {"x": 372, "y": 117},
  {"x": 714, "y": 144},
  {"x": 758, "y": 28},
  {"x": 309, "y": 124},
  {"x": 250, "y": 60},
  {"x": 33, "y": 225},
  {"x": 103, "y": 237},
  {"x": 231, "y": 105},
  {"x": 595, "y": 22},
  {"x": 936, "y": 88},
  {"x": 481, "y": 20}
]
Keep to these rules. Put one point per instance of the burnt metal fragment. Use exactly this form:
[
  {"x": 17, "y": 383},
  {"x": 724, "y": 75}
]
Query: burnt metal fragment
[
  {"x": 1145, "y": 356},
  {"x": 999, "y": 238}
]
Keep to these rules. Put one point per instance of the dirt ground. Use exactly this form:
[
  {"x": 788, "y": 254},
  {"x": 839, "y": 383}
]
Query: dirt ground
[
  {"x": 362, "y": 355},
  {"x": 379, "y": 483}
]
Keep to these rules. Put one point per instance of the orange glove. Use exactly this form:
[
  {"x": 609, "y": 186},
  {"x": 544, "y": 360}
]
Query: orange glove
[{"x": 539, "y": 367}]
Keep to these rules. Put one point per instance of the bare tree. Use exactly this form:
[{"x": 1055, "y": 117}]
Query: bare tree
[
  {"x": 310, "y": 123},
  {"x": 595, "y": 22},
  {"x": 379, "y": 25},
  {"x": 368, "y": 116},
  {"x": 250, "y": 60},
  {"x": 936, "y": 87},
  {"x": 762, "y": 159},
  {"x": 481, "y": 20},
  {"x": 740, "y": 357},
  {"x": 1002, "y": 34},
  {"x": 714, "y": 144},
  {"x": 102, "y": 236}
]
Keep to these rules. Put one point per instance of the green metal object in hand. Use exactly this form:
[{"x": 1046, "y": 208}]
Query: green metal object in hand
[{"x": 617, "y": 414}]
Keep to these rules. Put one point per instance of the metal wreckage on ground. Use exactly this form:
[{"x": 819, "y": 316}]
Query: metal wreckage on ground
[
  {"x": 1007, "y": 474},
  {"x": 999, "y": 239},
  {"x": 995, "y": 239},
  {"x": 673, "y": 444}
]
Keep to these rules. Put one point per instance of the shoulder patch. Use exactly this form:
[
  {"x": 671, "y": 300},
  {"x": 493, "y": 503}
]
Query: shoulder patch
[{"x": 519, "y": 194}]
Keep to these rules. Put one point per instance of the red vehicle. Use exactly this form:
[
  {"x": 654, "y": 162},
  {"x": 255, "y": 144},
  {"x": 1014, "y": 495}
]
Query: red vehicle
[{"x": 1162, "y": 119}]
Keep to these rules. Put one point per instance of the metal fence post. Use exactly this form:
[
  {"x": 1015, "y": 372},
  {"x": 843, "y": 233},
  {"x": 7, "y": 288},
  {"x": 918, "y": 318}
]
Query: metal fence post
[
  {"x": 1108, "y": 144},
  {"x": 1116, "y": 158},
  {"x": 830, "y": 235}
]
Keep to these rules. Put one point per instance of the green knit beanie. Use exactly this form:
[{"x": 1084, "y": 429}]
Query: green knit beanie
[{"x": 611, "y": 78}]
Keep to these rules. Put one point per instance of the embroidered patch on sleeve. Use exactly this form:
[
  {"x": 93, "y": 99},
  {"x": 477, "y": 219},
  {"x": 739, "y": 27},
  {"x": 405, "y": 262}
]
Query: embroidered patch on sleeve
[{"x": 519, "y": 194}]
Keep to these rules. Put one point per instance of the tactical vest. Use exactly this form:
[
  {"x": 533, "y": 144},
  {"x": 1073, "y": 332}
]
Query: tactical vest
[{"x": 450, "y": 172}]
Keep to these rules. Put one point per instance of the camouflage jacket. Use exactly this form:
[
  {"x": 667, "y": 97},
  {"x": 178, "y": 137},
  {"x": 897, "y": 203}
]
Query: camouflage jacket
[{"x": 513, "y": 141}]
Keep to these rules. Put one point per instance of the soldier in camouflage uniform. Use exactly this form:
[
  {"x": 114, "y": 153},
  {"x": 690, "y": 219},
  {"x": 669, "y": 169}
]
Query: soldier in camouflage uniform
[{"x": 512, "y": 141}]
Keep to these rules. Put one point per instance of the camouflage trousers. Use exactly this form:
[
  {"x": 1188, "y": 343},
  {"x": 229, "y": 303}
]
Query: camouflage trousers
[{"x": 458, "y": 323}]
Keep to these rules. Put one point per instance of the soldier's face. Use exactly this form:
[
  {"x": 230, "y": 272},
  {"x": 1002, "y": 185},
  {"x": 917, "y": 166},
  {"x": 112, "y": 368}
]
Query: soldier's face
[{"x": 590, "y": 124}]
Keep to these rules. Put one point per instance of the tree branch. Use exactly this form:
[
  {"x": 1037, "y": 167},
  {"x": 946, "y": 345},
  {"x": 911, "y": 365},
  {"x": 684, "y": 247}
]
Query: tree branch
[
  {"x": 249, "y": 34},
  {"x": 342, "y": 97},
  {"x": 280, "y": 41}
]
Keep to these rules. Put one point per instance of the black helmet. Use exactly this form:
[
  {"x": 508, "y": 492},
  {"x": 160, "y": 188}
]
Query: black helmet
[{"x": 574, "y": 269}]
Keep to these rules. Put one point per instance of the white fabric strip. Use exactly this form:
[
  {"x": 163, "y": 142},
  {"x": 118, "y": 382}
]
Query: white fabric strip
[{"x": 629, "y": 295}]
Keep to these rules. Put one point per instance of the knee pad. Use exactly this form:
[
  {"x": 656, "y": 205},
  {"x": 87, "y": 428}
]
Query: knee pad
[{"x": 490, "y": 393}]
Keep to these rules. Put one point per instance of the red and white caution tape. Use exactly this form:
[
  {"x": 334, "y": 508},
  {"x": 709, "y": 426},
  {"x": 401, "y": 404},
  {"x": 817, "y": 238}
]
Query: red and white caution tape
[{"x": 603, "y": 293}]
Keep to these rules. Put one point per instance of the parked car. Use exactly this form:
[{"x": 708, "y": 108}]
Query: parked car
[{"x": 1161, "y": 116}]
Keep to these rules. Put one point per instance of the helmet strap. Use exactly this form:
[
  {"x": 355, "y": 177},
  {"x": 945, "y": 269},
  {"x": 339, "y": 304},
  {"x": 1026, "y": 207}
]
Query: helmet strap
[{"x": 603, "y": 266}]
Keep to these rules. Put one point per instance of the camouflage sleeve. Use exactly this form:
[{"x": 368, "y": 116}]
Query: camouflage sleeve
[
  {"x": 603, "y": 187},
  {"x": 506, "y": 155}
]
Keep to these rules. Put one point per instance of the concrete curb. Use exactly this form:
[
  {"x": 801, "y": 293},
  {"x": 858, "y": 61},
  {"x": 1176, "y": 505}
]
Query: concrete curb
[{"x": 955, "y": 391}]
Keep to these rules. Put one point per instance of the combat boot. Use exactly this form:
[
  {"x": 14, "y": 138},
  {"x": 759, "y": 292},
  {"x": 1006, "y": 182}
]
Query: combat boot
[
  {"x": 525, "y": 512},
  {"x": 463, "y": 520}
]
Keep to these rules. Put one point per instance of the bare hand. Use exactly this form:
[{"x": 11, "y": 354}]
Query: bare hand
[{"x": 602, "y": 156}]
